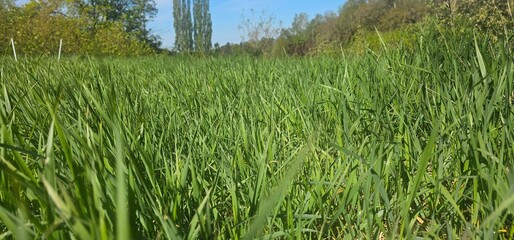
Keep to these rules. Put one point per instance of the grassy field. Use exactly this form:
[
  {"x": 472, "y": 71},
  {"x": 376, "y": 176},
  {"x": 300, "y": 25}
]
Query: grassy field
[{"x": 388, "y": 145}]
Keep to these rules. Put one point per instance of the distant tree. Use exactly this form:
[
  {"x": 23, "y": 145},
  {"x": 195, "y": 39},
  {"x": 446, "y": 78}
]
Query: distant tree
[
  {"x": 402, "y": 13},
  {"x": 364, "y": 16},
  {"x": 347, "y": 25},
  {"x": 177, "y": 23},
  {"x": 327, "y": 33},
  {"x": 253, "y": 29},
  {"x": 494, "y": 16},
  {"x": 41, "y": 24},
  {"x": 187, "y": 25},
  {"x": 488, "y": 16},
  {"x": 446, "y": 11},
  {"x": 132, "y": 14},
  {"x": 259, "y": 34},
  {"x": 6, "y": 23},
  {"x": 300, "y": 24},
  {"x": 6, "y": 5},
  {"x": 136, "y": 19},
  {"x": 183, "y": 25},
  {"x": 202, "y": 29},
  {"x": 293, "y": 41}
]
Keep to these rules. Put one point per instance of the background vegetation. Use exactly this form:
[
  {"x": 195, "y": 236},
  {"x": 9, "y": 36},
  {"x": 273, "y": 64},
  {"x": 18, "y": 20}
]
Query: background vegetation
[
  {"x": 98, "y": 27},
  {"x": 401, "y": 133},
  {"x": 106, "y": 27},
  {"x": 352, "y": 29},
  {"x": 392, "y": 144},
  {"x": 193, "y": 26}
]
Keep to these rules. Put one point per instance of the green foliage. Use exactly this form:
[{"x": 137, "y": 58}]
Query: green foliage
[
  {"x": 404, "y": 13},
  {"x": 294, "y": 41},
  {"x": 37, "y": 32},
  {"x": 6, "y": 5},
  {"x": 133, "y": 15},
  {"x": 183, "y": 25},
  {"x": 192, "y": 32},
  {"x": 488, "y": 17},
  {"x": 38, "y": 26},
  {"x": 202, "y": 28},
  {"x": 125, "y": 44},
  {"x": 177, "y": 24},
  {"x": 351, "y": 27},
  {"x": 392, "y": 144},
  {"x": 365, "y": 41},
  {"x": 359, "y": 16}
]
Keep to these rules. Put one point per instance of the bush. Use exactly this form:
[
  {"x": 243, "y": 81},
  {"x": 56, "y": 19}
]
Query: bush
[
  {"x": 366, "y": 40},
  {"x": 38, "y": 30}
]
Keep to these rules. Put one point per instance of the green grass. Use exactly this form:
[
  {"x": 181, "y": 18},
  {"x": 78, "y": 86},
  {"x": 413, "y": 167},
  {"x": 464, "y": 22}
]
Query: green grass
[{"x": 396, "y": 144}]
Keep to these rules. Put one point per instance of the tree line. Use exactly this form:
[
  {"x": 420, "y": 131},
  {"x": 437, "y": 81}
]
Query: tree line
[
  {"x": 353, "y": 28},
  {"x": 119, "y": 27},
  {"x": 104, "y": 27}
]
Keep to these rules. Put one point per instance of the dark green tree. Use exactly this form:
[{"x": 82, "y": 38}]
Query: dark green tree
[
  {"x": 202, "y": 30},
  {"x": 6, "y": 23},
  {"x": 177, "y": 23},
  {"x": 293, "y": 41},
  {"x": 491, "y": 16},
  {"x": 402, "y": 13},
  {"x": 132, "y": 14},
  {"x": 187, "y": 25},
  {"x": 494, "y": 17},
  {"x": 6, "y": 5},
  {"x": 183, "y": 25}
]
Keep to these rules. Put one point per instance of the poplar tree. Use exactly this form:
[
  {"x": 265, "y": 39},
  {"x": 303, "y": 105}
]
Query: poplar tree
[
  {"x": 192, "y": 32},
  {"x": 202, "y": 25},
  {"x": 187, "y": 26},
  {"x": 183, "y": 25},
  {"x": 177, "y": 23}
]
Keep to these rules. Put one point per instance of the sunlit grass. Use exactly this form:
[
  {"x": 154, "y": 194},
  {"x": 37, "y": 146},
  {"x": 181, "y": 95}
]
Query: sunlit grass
[{"x": 393, "y": 144}]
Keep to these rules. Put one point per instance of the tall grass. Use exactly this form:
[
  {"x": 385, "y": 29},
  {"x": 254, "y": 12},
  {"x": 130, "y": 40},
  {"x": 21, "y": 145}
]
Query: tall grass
[{"x": 395, "y": 144}]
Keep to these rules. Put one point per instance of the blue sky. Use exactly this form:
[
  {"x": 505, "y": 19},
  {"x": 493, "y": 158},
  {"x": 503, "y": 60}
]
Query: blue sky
[{"x": 227, "y": 14}]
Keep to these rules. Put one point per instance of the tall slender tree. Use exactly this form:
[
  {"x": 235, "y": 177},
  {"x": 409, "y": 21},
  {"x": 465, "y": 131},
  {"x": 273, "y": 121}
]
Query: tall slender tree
[
  {"x": 208, "y": 26},
  {"x": 177, "y": 23},
  {"x": 183, "y": 25},
  {"x": 202, "y": 25},
  {"x": 187, "y": 25},
  {"x": 193, "y": 31}
]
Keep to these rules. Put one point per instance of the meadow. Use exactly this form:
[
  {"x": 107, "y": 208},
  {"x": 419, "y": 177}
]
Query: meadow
[{"x": 397, "y": 143}]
